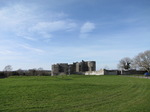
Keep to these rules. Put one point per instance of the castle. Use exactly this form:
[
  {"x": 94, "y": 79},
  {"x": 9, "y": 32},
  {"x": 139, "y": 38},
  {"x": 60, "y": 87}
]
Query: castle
[{"x": 75, "y": 68}]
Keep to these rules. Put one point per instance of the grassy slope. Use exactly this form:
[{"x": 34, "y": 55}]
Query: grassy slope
[{"x": 74, "y": 94}]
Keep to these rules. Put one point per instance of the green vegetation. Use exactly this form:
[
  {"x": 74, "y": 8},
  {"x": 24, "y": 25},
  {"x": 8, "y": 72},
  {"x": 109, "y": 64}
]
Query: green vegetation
[{"x": 74, "y": 94}]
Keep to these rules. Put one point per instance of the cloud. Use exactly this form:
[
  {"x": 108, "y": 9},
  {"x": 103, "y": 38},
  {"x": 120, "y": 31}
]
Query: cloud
[
  {"x": 53, "y": 26},
  {"x": 29, "y": 38},
  {"x": 31, "y": 24},
  {"x": 36, "y": 50},
  {"x": 87, "y": 27},
  {"x": 14, "y": 16},
  {"x": 6, "y": 52}
]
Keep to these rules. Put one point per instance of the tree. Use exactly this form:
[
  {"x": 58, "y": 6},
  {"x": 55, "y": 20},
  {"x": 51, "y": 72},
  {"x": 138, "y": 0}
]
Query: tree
[
  {"x": 7, "y": 70},
  {"x": 40, "y": 71},
  {"x": 142, "y": 61},
  {"x": 33, "y": 72},
  {"x": 20, "y": 72},
  {"x": 125, "y": 63}
]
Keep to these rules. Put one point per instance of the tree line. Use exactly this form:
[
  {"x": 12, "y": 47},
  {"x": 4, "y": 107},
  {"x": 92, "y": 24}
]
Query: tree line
[
  {"x": 8, "y": 71},
  {"x": 139, "y": 62}
]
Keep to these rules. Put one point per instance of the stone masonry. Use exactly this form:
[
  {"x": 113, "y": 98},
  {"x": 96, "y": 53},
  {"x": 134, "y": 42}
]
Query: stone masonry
[{"x": 75, "y": 68}]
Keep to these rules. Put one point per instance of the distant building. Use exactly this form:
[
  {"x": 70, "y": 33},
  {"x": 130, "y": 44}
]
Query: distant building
[
  {"x": 75, "y": 68},
  {"x": 61, "y": 68}
]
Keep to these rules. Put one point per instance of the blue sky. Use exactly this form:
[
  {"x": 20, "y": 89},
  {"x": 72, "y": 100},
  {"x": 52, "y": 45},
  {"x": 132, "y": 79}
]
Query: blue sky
[{"x": 39, "y": 33}]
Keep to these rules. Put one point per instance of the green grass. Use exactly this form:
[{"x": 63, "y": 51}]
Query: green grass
[{"x": 74, "y": 94}]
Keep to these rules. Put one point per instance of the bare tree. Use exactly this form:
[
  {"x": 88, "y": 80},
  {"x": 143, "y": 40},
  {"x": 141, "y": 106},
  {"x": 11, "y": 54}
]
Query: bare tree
[
  {"x": 142, "y": 61},
  {"x": 40, "y": 71},
  {"x": 125, "y": 63},
  {"x": 7, "y": 70},
  {"x": 20, "y": 72},
  {"x": 33, "y": 72}
]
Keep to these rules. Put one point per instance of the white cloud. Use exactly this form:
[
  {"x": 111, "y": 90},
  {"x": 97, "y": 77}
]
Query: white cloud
[
  {"x": 36, "y": 50},
  {"x": 6, "y": 52},
  {"x": 53, "y": 26},
  {"x": 45, "y": 35},
  {"x": 29, "y": 38},
  {"x": 87, "y": 27},
  {"x": 28, "y": 22},
  {"x": 14, "y": 16}
]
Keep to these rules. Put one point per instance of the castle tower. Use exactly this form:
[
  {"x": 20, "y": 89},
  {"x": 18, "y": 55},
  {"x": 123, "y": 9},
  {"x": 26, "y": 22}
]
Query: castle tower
[{"x": 91, "y": 66}]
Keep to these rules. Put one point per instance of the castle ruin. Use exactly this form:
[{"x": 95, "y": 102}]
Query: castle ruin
[{"x": 75, "y": 68}]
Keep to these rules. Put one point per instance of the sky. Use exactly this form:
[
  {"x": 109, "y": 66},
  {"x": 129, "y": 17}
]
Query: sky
[{"x": 39, "y": 33}]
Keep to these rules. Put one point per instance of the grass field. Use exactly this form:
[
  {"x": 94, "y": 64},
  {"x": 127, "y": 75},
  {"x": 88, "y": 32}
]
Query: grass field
[{"x": 74, "y": 94}]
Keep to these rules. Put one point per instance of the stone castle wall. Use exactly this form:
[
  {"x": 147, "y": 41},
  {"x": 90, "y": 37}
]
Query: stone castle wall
[{"x": 75, "y": 68}]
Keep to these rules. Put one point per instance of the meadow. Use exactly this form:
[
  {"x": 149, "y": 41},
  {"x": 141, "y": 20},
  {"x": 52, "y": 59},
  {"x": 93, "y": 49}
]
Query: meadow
[{"x": 74, "y": 94}]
